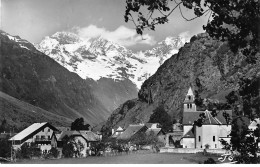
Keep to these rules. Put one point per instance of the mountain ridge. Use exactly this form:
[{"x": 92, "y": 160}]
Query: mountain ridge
[
  {"x": 205, "y": 64},
  {"x": 33, "y": 77},
  {"x": 85, "y": 56}
]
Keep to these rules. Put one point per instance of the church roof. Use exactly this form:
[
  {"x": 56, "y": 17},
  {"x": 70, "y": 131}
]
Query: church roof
[
  {"x": 190, "y": 117},
  {"x": 189, "y": 134},
  {"x": 190, "y": 92}
]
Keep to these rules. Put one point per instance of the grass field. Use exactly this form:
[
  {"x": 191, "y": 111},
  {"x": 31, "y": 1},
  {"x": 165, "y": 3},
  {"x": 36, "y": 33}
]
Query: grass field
[{"x": 147, "y": 158}]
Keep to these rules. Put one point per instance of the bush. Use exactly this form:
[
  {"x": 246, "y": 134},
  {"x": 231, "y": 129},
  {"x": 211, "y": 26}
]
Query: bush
[
  {"x": 68, "y": 150},
  {"x": 54, "y": 152},
  {"x": 210, "y": 161},
  {"x": 5, "y": 148},
  {"x": 27, "y": 152}
]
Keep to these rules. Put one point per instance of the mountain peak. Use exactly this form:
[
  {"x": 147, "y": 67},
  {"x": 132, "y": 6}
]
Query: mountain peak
[
  {"x": 66, "y": 37},
  {"x": 97, "y": 58}
]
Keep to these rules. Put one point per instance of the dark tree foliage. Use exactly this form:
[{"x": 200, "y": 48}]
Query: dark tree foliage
[
  {"x": 5, "y": 148},
  {"x": 54, "y": 152},
  {"x": 229, "y": 20},
  {"x": 67, "y": 147},
  {"x": 246, "y": 107},
  {"x": 78, "y": 124},
  {"x": 162, "y": 117},
  {"x": 28, "y": 151},
  {"x": 3, "y": 126}
]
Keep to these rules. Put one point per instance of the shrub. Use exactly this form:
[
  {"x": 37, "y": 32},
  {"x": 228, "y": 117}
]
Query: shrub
[
  {"x": 54, "y": 152},
  {"x": 210, "y": 161}
]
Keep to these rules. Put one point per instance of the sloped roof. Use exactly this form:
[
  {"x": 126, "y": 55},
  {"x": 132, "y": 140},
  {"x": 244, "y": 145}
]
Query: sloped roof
[
  {"x": 130, "y": 131},
  {"x": 32, "y": 128},
  {"x": 90, "y": 136},
  {"x": 253, "y": 124},
  {"x": 189, "y": 134},
  {"x": 190, "y": 117},
  {"x": 67, "y": 133},
  {"x": 119, "y": 129},
  {"x": 190, "y": 93},
  {"x": 155, "y": 132},
  {"x": 87, "y": 135},
  {"x": 150, "y": 125}
]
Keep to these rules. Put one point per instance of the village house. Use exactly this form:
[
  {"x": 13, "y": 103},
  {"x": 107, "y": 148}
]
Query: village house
[
  {"x": 131, "y": 131},
  {"x": 87, "y": 138},
  {"x": 117, "y": 132},
  {"x": 155, "y": 130},
  {"x": 210, "y": 133},
  {"x": 38, "y": 133}
]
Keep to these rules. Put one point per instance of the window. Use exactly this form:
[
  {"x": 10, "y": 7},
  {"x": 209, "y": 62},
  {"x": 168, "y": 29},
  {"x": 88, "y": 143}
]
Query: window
[
  {"x": 42, "y": 137},
  {"x": 189, "y": 97},
  {"x": 49, "y": 137},
  {"x": 215, "y": 145},
  {"x": 199, "y": 138},
  {"x": 213, "y": 138},
  {"x": 190, "y": 105},
  {"x": 42, "y": 130},
  {"x": 49, "y": 130},
  {"x": 200, "y": 146}
]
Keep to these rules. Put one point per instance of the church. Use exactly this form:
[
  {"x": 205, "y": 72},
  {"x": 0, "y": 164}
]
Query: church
[{"x": 210, "y": 133}]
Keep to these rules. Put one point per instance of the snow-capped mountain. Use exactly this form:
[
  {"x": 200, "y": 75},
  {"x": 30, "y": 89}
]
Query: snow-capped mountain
[{"x": 99, "y": 58}]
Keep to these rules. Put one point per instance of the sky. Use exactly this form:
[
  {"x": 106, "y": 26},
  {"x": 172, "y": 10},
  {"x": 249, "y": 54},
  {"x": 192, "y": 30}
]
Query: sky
[{"x": 34, "y": 19}]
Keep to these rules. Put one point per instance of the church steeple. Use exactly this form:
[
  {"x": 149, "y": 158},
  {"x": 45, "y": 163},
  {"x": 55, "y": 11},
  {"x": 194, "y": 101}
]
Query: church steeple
[{"x": 189, "y": 105}]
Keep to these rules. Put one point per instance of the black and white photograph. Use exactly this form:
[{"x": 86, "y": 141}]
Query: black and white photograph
[{"x": 129, "y": 82}]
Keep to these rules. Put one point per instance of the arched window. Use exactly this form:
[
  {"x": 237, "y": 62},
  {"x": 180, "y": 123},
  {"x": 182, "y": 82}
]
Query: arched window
[{"x": 189, "y": 97}]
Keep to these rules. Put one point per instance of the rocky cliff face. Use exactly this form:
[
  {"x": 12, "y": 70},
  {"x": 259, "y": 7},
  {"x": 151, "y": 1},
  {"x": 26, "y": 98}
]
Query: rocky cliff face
[
  {"x": 33, "y": 77},
  {"x": 205, "y": 64}
]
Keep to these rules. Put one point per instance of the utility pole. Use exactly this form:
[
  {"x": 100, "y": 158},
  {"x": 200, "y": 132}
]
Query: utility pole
[{"x": 13, "y": 157}]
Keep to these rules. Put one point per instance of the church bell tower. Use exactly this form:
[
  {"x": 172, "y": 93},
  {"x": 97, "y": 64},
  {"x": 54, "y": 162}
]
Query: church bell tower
[{"x": 189, "y": 104}]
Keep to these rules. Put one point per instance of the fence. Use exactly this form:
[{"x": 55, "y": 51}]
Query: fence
[
  {"x": 116, "y": 153},
  {"x": 190, "y": 150}
]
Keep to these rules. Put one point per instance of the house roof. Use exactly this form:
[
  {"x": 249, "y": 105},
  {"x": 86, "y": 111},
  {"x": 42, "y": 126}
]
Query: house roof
[
  {"x": 155, "y": 132},
  {"x": 66, "y": 133},
  {"x": 87, "y": 135},
  {"x": 253, "y": 124},
  {"x": 130, "y": 131},
  {"x": 190, "y": 117},
  {"x": 119, "y": 129},
  {"x": 151, "y": 125},
  {"x": 63, "y": 128},
  {"x": 90, "y": 136},
  {"x": 189, "y": 134},
  {"x": 32, "y": 128}
]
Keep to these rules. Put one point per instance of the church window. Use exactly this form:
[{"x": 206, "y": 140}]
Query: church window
[
  {"x": 213, "y": 138},
  {"x": 199, "y": 138}
]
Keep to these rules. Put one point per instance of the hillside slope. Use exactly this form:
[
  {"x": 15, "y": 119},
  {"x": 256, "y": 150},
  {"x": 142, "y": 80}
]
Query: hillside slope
[
  {"x": 20, "y": 114},
  {"x": 33, "y": 77},
  {"x": 205, "y": 64}
]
